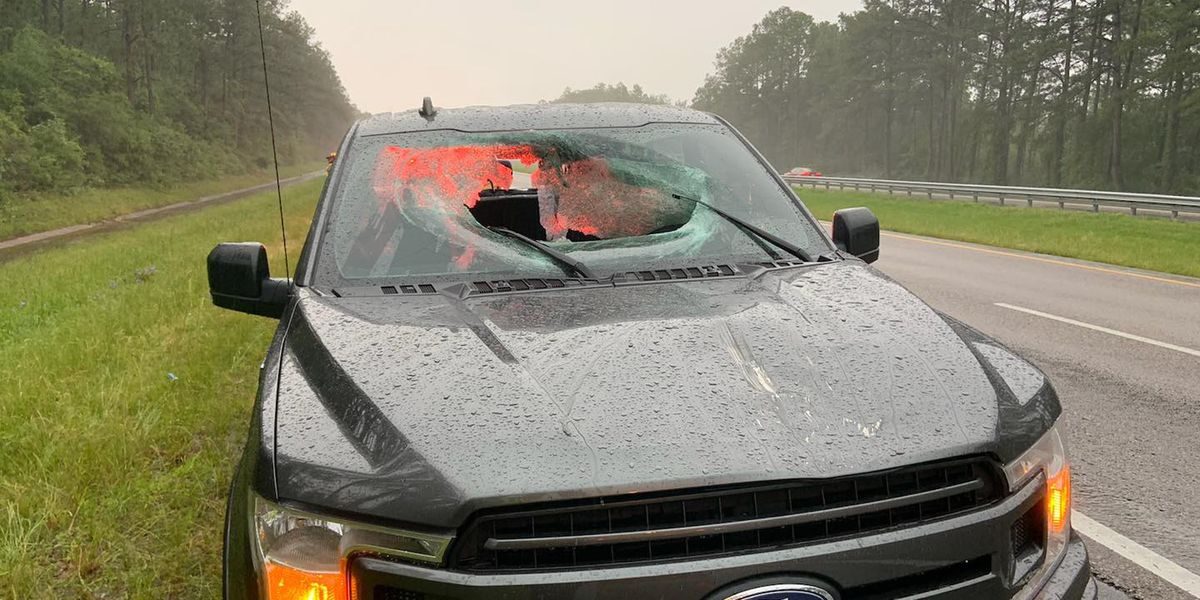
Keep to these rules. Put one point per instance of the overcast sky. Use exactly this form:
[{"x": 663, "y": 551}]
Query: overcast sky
[{"x": 391, "y": 53}]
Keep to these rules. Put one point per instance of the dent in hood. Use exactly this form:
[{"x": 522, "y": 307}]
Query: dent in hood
[{"x": 424, "y": 409}]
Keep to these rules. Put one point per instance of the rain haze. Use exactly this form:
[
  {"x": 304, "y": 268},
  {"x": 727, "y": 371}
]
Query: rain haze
[{"x": 390, "y": 54}]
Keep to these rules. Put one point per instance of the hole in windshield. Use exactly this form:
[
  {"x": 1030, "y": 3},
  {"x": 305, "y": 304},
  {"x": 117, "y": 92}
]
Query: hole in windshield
[{"x": 439, "y": 204}]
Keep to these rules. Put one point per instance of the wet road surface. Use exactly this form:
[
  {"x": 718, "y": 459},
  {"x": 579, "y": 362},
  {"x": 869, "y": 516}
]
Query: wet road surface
[{"x": 1123, "y": 349}]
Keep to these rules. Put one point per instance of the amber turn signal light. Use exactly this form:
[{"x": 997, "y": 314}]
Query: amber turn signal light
[
  {"x": 1058, "y": 500},
  {"x": 286, "y": 583}
]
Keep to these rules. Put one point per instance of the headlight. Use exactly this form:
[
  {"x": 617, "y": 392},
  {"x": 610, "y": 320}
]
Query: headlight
[
  {"x": 1048, "y": 457},
  {"x": 302, "y": 556}
]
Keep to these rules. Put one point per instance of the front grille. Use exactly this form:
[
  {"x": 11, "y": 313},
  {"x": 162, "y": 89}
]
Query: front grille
[
  {"x": 1029, "y": 531},
  {"x": 1028, "y": 535},
  {"x": 678, "y": 525}
]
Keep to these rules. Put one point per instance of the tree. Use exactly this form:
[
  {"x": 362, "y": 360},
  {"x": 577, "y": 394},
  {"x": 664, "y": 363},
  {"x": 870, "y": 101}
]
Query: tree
[
  {"x": 603, "y": 92},
  {"x": 759, "y": 79},
  {"x": 125, "y": 91},
  {"x": 1088, "y": 93}
]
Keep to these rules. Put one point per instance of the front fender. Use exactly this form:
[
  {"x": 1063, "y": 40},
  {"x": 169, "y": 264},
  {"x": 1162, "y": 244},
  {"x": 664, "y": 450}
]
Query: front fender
[{"x": 255, "y": 472}]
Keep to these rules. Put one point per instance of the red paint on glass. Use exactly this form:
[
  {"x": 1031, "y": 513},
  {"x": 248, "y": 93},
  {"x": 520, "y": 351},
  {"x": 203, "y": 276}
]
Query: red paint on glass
[{"x": 590, "y": 199}]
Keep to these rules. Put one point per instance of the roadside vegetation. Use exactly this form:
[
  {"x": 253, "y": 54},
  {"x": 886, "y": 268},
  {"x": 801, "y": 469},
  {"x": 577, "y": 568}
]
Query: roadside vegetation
[
  {"x": 42, "y": 212},
  {"x": 1141, "y": 242},
  {"x": 156, "y": 92},
  {"x": 618, "y": 92},
  {"x": 1092, "y": 94},
  {"x": 125, "y": 396}
]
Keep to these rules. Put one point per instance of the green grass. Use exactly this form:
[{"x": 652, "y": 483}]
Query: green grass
[
  {"x": 521, "y": 167},
  {"x": 125, "y": 401},
  {"x": 20, "y": 215},
  {"x": 1141, "y": 242}
]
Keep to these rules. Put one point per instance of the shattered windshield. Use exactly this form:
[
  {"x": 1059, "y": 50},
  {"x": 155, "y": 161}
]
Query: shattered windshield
[{"x": 446, "y": 204}]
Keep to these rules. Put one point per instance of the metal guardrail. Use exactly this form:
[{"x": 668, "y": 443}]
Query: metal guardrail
[{"x": 1093, "y": 198}]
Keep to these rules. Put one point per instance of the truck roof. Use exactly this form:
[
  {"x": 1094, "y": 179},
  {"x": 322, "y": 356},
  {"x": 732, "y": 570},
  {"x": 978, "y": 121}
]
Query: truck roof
[{"x": 532, "y": 116}]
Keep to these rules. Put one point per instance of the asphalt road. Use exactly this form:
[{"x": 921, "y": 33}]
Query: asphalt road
[{"x": 1122, "y": 347}]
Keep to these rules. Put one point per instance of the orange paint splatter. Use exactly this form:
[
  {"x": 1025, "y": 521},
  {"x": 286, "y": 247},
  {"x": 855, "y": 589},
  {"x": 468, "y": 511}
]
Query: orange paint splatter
[
  {"x": 590, "y": 199},
  {"x": 453, "y": 174}
]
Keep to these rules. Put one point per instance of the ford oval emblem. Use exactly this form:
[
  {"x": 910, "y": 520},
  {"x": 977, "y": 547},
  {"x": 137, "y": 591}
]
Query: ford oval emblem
[{"x": 784, "y": 592}]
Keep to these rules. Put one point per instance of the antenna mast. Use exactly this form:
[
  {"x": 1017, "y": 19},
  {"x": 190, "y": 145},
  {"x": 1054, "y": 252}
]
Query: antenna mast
[{"x": 262, "y": 45}]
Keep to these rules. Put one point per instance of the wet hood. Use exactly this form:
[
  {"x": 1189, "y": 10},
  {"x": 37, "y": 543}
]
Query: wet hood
[{"x": 424, "y": 409}]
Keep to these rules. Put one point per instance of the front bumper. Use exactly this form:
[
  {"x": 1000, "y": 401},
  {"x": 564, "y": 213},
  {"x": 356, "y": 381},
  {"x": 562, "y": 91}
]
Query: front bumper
[
  {"x": 1072, "y": 580},
  {"x": 959, "y": 558}
]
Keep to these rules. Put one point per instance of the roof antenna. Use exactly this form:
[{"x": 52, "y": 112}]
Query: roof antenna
[
  {"x": 427, "y": 109},
  {"x": 262, "y": 45}
]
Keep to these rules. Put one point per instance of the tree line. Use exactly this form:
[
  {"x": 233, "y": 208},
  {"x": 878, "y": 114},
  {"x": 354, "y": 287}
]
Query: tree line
[
  {"x": 618, "y": 92},
  {"x": 1071, "y": 93},
  {"x": 102, "y": 92}
]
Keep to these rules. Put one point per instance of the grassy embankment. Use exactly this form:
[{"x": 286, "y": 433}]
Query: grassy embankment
[
  {"x": 125, "y": 400},
  {"x": 1141, "y": 242},
  {"x": 20, "y": 215}
]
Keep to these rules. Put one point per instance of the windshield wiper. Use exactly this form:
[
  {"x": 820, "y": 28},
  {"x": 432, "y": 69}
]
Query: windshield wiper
[
  {"x": 573, "y": 265},
  {"x": 752, "y": 230}
]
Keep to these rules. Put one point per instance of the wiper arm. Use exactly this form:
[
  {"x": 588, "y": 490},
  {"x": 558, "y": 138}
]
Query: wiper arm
[
  {"x": 753, "y": 230},
  {"x": 572, "y": 264}
]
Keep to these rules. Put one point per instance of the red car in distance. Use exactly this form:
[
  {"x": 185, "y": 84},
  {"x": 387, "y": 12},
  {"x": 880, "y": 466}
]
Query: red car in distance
[{"x": 803, "y": 172}]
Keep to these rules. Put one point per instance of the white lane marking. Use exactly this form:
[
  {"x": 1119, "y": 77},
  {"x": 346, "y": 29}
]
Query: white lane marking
[
  {"x": 1138, "y": 554},
  {"x": 1128, "y": 336}
]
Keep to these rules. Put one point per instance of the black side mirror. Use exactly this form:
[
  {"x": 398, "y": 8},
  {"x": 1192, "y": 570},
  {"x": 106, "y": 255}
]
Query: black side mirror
[
  {"x": 856, "y": 231},
  {"x": 240, "y": 279}
]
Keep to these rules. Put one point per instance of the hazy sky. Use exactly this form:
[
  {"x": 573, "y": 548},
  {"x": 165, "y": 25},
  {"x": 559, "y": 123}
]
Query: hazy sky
[{"x": 391, "y": 53}]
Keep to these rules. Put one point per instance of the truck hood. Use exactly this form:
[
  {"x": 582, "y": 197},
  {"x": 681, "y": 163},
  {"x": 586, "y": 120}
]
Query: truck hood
[{"x": 423, "y": 409}]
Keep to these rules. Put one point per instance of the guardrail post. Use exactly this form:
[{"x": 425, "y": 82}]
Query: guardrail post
[
  {"x": 1174, "y": 215},
  {"x": 951, "y": 194},
  {"x": 1095, "y": 207},
  {"x": 1001, "y": 199},
  {"x": 891, "y": 191},
  {"x": 1133, "y": 210},
  {"x": 1029, "y": 199},
  {"x": 1061, "y": 205},
  {"x": 975, "y": 196}
]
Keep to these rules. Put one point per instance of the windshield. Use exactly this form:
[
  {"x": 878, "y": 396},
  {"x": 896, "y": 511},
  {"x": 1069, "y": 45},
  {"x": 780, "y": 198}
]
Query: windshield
[{"x": 440, "y": 205}]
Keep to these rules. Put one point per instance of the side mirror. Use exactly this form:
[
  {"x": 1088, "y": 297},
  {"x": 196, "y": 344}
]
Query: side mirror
[
  {"x": 240, "y": 279},
  {"x": 856, "y": 231}
]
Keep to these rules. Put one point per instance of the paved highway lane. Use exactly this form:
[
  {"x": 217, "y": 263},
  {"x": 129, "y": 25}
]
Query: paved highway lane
[{"x": 1123, "y": 349}]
